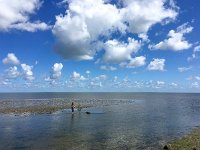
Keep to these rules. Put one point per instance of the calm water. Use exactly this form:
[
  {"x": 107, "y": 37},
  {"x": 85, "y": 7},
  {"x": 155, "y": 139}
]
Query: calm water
[{"x": 145, "y": 121}]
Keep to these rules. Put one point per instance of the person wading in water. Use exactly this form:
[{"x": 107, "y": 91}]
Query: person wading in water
[{"x": 72, "y": 107}]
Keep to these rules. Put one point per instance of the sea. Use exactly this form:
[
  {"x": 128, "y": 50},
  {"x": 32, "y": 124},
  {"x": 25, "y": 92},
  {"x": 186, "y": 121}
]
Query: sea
[{"x": 124, "y": 121}]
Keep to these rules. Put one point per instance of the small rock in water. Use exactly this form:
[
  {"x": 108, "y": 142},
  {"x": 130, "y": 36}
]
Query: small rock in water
[{"x": 165, "y": 147}]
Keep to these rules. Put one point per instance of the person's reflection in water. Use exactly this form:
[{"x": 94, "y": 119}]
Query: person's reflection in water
[{"x": 72, "y": 122}]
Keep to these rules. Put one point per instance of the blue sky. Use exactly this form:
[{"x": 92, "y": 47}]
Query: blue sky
[{"x": 101, "y": 45}]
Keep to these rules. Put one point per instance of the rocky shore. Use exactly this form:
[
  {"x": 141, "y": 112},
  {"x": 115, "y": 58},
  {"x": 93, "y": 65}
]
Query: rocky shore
[
  {"x": 37, "y": 107},
  {"x": 190, "y": 141},
  {"x": 52, "y": 105}
]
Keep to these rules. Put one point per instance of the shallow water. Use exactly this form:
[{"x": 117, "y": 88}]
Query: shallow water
[{"x": 145, "y": 121}]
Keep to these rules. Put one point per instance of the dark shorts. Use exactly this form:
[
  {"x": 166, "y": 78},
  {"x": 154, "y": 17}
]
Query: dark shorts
[{"x": 72, "y": 109}]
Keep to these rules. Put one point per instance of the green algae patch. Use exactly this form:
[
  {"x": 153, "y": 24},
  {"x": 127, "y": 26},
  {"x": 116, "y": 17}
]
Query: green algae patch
[{"x": 187, "y": 142}]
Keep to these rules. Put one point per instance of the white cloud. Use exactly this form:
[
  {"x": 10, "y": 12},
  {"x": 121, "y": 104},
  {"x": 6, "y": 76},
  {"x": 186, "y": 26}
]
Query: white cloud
[
  {"x": 36, "y": 62},
  {"x": 125, "y": 79},
  {"x": 116, "y": 51},
  {"x": 172, "y": 3},
  {"x": 15, "y": 14},
  {"x": 197, "y": 78},
  {"x": 176, "y": 40},
  {"x": 56, "y": 70},
  {"x": 101, "y": 77},
  {"x": 27, "y": 72},
  {"x": 192, "y": 57},
  {"x": 77, "y": 31},
  {"x": 82, "y": 24},
  {"x": 31, "y": 27},
  {"x": 160, "y": 82},
  {"x": 72, "y": 38},
  {"x": 11, "y": 59},
  {"x": 108, "y": 68},
  {"x": 195, "y": 85},
  {"x": 77, "y": 77},
  {"x": 184, "y": 69},
  {"x": 115, "y": 78},
  {"x": 62, "y": 3},
  {"x": 196, "y": 49},
  {"x": 5, "y": 82},
  {"x": 189, "y": 78},
  {"x": 88, "y": 72},
  {"x": 144, "y": 37},
  {"x": 137, "y": 62},
  {"x": 142, "y": 14},
  {"x": 173, "y": 84},
  {"x": 157, "y": 64},
  {"x": 95, "y": 84},
  {"x": 12, "y": 73},
  {"x": 47, "y": 79}
]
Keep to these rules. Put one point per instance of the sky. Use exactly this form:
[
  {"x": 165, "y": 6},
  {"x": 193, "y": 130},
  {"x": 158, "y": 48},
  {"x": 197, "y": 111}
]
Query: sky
[{"x": 99, "y": 46}]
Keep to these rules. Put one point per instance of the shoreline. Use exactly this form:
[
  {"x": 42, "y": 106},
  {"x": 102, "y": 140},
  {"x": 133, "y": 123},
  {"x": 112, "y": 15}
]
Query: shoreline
[{"x": 190, "y": 141}]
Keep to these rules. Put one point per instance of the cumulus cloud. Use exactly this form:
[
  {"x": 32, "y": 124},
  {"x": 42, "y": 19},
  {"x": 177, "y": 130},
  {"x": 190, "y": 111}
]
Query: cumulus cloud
[
  {"x": 12, "y": 73},
  {"x": 136, "y": 62},
  {"x": 176, "y": 40},
  {"x": 11, "y": 59},
  {"x": 56, "y": 71},
  {"x": 15, "y": 14},
  {"x": 184, "y": 69},
  {"x": 77, "y": 77},
  {"x": 27, "y": 72},
  {"x": 72, "y": 38},
  {"x": 78, "y": 31},
  {"x": 116, "y": 51},
  {"x": 142, "y": 15},
  {"x": 108, "y": 68},
  {"x": 157, "y": 64},
  {"x": 144, "y": 37},
  {"x": 82, "y": 24}
]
